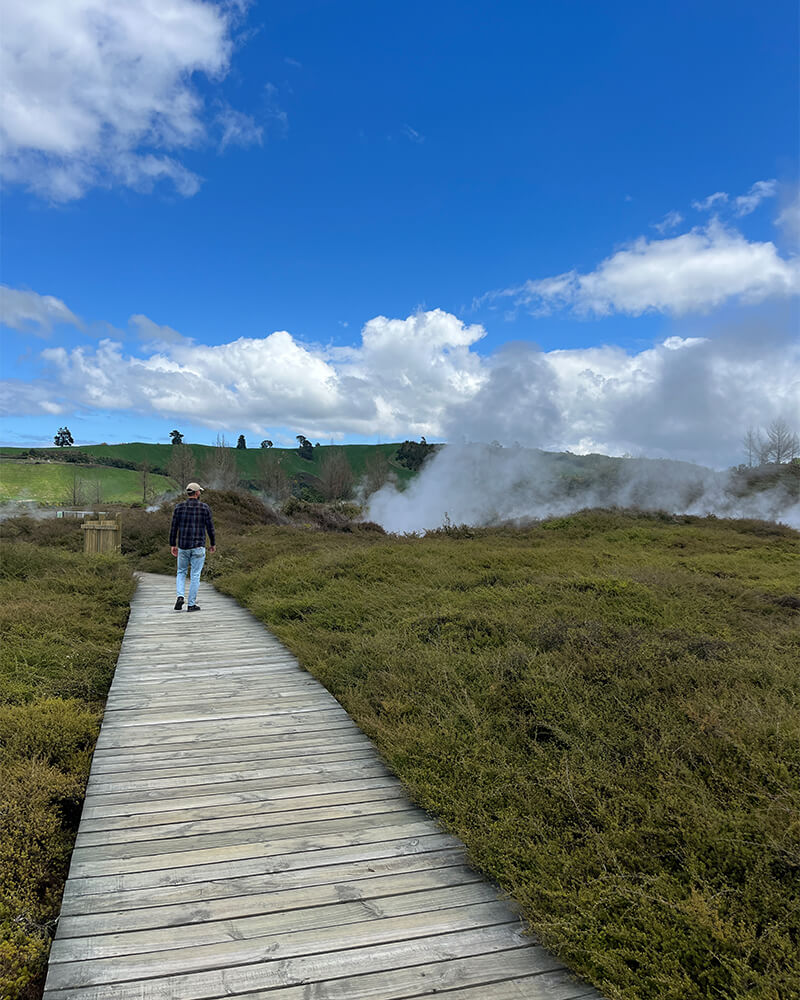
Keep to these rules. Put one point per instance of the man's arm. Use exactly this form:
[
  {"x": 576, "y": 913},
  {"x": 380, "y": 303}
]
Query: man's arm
[
  {"x": 173, "y": 531},
  {"x": 210, "y": 527}
]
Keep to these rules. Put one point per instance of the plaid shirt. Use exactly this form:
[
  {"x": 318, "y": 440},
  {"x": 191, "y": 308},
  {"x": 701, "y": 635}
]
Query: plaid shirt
[{"x": 190, "y": 522}]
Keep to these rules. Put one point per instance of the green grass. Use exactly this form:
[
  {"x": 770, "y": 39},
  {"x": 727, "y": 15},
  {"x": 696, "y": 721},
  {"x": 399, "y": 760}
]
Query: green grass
[
  {"x": 62, "y": 616},
  {"x": 605, "y": 708},
  {"x": 52, "y": 483}
]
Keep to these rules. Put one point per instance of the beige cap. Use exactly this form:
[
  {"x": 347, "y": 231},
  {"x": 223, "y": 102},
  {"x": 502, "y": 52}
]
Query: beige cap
[{"x": 194, "y": 488}]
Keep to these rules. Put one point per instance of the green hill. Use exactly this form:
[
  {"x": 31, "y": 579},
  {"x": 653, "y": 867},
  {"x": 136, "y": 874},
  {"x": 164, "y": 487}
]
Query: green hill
[
  {"x": 72, "y": 484},
  {"x": 22, "y": 478}
]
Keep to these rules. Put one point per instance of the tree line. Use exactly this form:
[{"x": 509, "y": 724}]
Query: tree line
[{"x": 777, "y": 444}]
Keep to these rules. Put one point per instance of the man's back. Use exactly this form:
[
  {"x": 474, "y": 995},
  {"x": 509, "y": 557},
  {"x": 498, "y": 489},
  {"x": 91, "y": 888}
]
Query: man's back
[{"x": 190, "y": 522}]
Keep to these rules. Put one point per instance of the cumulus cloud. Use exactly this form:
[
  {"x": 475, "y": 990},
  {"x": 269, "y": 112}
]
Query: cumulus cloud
[
  {"x": 688, "y": 397},
  {"x": 693, "y": 272},
  {"x": 30, "y": 312},
  {"x": 99, "y": 92}
]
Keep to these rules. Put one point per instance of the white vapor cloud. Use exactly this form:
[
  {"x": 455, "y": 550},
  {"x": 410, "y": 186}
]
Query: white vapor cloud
[
  {"x": 480, "y": 484},
  {"x": 747, "y": 203},
  {"x": 100, "y": 92},
  {"x": 30, "y": 312},
  {"x": 692, "y": 272},
  {"x": 687, "y": 397}
]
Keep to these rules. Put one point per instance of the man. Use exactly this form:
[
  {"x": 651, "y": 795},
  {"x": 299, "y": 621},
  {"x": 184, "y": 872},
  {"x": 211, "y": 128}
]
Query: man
[{"x": 187, "y": 540}]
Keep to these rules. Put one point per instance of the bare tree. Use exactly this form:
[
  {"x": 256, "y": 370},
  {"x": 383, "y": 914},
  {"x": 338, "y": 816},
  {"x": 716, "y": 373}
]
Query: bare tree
[
  {"x": 336, "y": 476},
  {"x": 782, "y": 443},
  {"x": 219, "y": 469},
  {"x": 76, "y": 495},
  {"x": 377, "y": 473},
  {"x": 753, "y": 446},
  {"x": 181, "y": 466},
  {"x": 145, "y": 479},
  {"x": 96, "y": 491},
  {"x": 271, "y": 477}
]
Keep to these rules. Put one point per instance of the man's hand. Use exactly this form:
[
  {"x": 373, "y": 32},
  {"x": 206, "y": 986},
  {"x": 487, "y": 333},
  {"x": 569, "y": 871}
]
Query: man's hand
[
  {"x": 174, "y": 550},
  {"x": 212, "y": 548}
]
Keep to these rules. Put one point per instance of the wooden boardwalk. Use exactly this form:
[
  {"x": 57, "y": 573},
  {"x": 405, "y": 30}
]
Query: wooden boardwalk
[{"x": 241, "y": 837}]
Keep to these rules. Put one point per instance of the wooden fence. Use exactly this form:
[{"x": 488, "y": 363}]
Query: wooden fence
[{"x": 102, "y": 535}]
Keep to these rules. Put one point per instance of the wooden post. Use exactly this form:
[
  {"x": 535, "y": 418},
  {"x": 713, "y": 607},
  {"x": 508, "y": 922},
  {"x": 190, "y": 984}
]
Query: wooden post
[{"x": 102, "y": 535}]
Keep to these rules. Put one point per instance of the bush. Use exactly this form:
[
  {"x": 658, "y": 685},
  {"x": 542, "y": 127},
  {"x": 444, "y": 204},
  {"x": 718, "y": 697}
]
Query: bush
[
  {"x": 603, "y": 707},
  {"x": 56, "y": 664}
]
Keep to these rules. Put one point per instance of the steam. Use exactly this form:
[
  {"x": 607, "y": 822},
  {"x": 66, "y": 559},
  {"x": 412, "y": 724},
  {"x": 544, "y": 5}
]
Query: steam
[{"x": 481, "y": 484}]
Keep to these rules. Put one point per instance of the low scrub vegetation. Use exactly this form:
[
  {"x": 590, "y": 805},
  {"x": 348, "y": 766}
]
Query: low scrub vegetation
[
  {"x": 604, "y": 707},
  {"x": 61, "y": 623}
]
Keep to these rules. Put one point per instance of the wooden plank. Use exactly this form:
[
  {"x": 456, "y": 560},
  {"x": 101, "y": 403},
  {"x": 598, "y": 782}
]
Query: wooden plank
[
  {"x": 276, "y": 875},
  {"x": 214, "y": 736},
  {"x": 254, "y": 859},
  {"x": 230, "y": 954},
  {"x": 191, "y": 845},
  {"x": 318, "y": 887},
  {"x": 367, "y": 831},
  {"x": 275, "y": 924},
  {"x": 273, "y": 802},
  {"x": 493, "y": 976},
  {"x": 144, "y": 763},
  {"x": 265, "y": 791},
  {"x": 202, "y": 731},
  {"x": 218, "y": 784},
  {"x": 268, "y": 821},
  {"x": 171, "y": 777},
  {"x": 259, "y": 978}
]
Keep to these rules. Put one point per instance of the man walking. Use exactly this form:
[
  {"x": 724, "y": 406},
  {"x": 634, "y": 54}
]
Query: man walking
[{"x": 187, "y": 540}]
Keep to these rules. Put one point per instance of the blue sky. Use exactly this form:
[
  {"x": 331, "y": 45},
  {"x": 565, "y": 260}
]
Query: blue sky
[{"x": 493, "y": 220}]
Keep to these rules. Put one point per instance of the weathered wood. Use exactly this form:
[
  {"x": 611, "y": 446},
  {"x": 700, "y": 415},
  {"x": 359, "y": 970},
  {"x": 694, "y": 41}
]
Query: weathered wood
[
  {"x": 241, "y": 837},
  {"x": 275, "y": 875},
  {"x": 259, "y": 978}
]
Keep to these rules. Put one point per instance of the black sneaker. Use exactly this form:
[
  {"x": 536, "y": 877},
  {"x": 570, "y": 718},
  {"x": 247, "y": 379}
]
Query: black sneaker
[
  {"x": 193, "y": 607},
  {"x": 179, "y": 604}
]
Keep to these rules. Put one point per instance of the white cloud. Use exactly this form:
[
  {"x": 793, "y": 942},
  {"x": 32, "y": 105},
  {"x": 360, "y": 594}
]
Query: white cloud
[
  {"x": 747, "y": 203},
  {"x": 693, "y": 272},
  {"x": 412, "y": 134},
  {"x": 100, "y": 92},
  {"x": 152, "y": 333},
  {"x": 238, "y": 129},
  {"x": 688, "y": 397},
  {"x": 30, "y": 312},
  {"x": 670, "y": 221},
  {"x": 789, "y": 219},
  {"x": 708, "y": 203}
]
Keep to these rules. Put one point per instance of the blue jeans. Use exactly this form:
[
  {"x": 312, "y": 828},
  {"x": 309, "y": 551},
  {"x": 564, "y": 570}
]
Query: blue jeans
[{"x": 190, "y": 559}]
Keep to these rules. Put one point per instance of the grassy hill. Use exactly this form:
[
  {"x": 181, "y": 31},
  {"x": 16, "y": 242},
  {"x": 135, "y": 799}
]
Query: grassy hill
[
  {"x": 51, "y": 482},
  {"x": 55, "y": 483}
]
